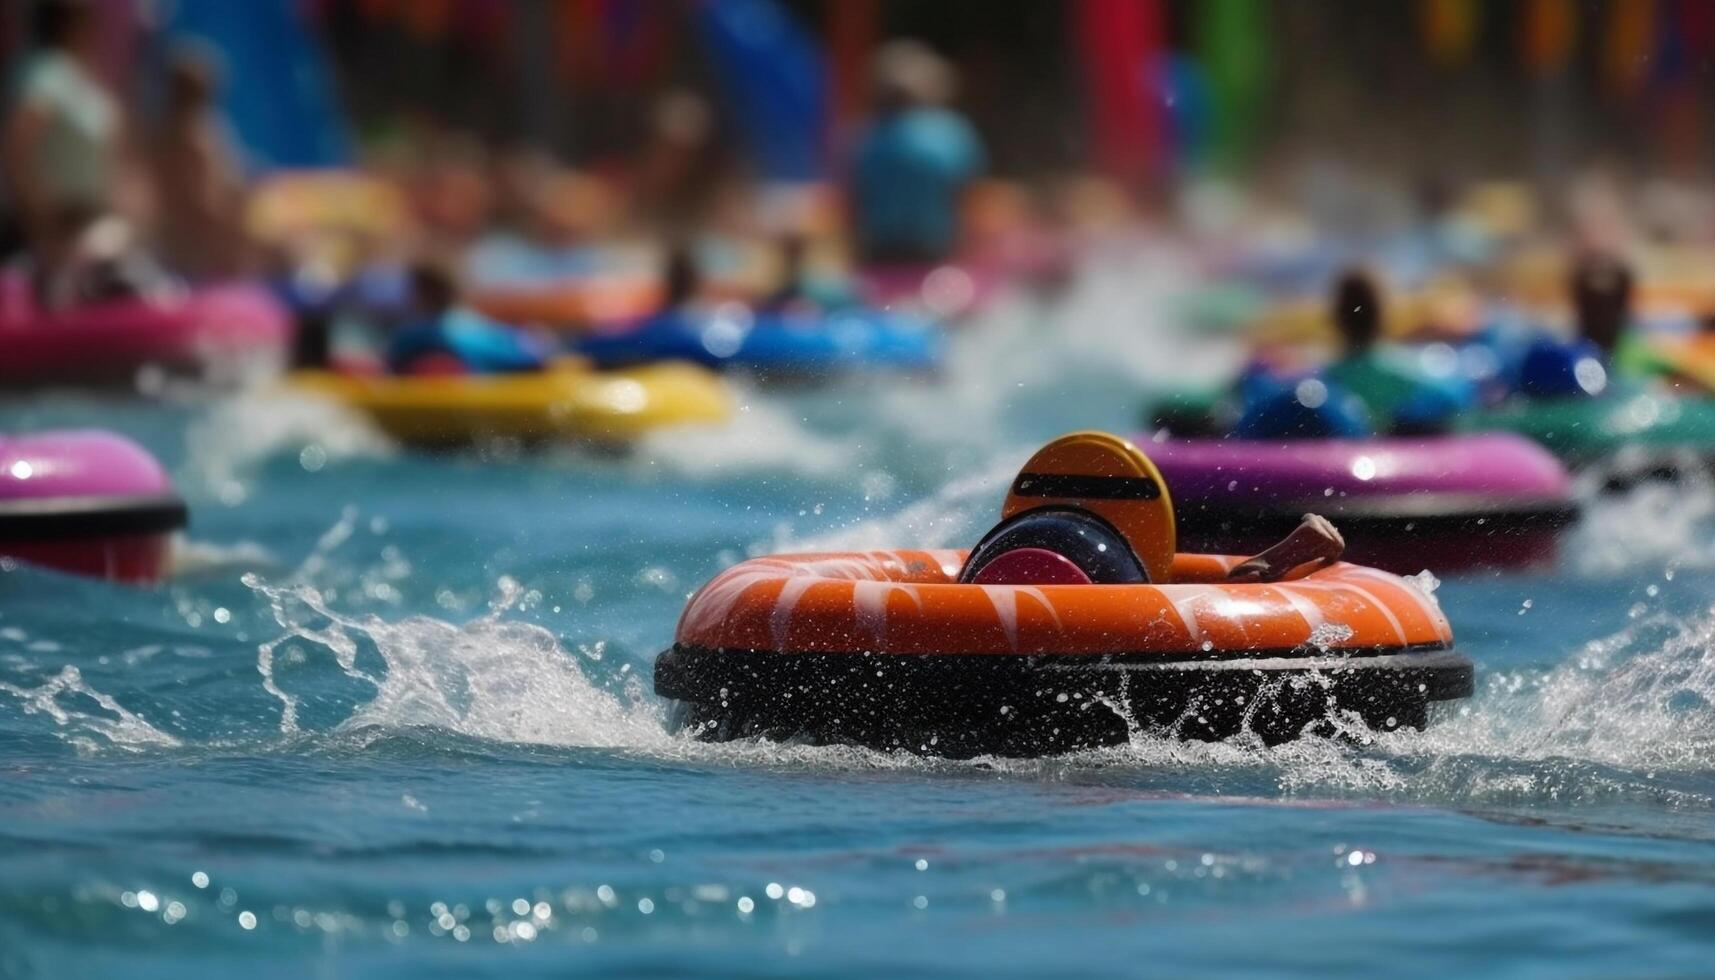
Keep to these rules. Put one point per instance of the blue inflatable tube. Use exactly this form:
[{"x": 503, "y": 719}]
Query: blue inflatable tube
[
  {"x": 853, "y": 339},
  {"x": 379, "y": 291}
]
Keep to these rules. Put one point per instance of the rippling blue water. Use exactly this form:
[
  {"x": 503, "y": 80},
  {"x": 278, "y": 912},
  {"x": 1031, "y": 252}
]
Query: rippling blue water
[{"x": 393, "y": 719}]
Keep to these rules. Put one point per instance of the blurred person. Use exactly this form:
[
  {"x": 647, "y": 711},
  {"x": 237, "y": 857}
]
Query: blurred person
[
  {"x": 1389, "y": 380},
  {"x": 550, "y": 221},
  {"x": 913, "y": 162},
  {"x": 1602, "y": 300},
  {"x": 798, "y": 287},
  {"x": 197, "y": 172},
  {"x": 1601, "y": 294},
  {"x": 681, "y": 280},
  {"x": 679, "y": 172},
  {"x": 514, "y": 174},
  {"x": 792, "y": 291},
  {"x": 64, "y": 151},
  {"x": 450, "y": 189},
  {"x": 443, "y": 336}
]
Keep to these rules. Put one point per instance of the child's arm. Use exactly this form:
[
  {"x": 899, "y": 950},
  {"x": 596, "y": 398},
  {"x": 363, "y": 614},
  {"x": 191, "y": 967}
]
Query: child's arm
[{"x": 1314, "y": 542}]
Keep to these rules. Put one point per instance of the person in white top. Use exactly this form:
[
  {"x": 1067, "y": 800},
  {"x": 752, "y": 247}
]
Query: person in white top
[{"x": 63, "y": 150}]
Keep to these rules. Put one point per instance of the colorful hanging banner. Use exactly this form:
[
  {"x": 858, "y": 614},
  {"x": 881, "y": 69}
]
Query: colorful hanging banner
[
  {"x": 1120, "y": 43},
  {"x": 774, "y": 76},
  {"x": 1449, "y": 30},
  {"x": 1697, "y": 29},
  {"x": 1232, "y": 41},
  {"x": 853, "y": 26},
  {"x": 613, "y": 42},
  {"x": 1548, "y": 36},
  {"x": 1630, "y": 40}
]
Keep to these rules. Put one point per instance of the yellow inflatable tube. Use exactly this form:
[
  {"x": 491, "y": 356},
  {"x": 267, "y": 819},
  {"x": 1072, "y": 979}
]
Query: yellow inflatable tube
[{"x": 569, "y": 401}]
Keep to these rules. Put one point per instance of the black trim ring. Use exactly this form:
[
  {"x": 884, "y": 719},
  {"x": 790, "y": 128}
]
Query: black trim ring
[
  {"x": 1077, "y": 486},
  {"x": 47, "y": 518}
]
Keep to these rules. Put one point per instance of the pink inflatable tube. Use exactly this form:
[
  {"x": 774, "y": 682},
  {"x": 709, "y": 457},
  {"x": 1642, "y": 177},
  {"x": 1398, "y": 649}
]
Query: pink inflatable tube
[
  {"x": 1446, "y": 503},
  {"x": 202, "y": 332},
  {"x": 87, "y": 502}
]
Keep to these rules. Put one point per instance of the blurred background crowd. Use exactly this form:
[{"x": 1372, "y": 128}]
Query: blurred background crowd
[{"x": 576, "y": 121}]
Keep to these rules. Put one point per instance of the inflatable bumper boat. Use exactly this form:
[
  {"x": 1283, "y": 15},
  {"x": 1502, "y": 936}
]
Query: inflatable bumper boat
[
  {"x": 568, "y": 401},
  {"x": 581, "y": 304},
  {"x": 87, "y": 502},
  {"x": 734, "y": 335},
  {"x": 1627, "y": 434},
  {"x": 1074, "y": 623},
  {"x": 1439, "y": 502},
  {"x": 217, "y": 331}
]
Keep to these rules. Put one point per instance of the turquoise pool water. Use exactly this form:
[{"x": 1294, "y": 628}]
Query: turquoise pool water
[{"x": 393, "y": 719}]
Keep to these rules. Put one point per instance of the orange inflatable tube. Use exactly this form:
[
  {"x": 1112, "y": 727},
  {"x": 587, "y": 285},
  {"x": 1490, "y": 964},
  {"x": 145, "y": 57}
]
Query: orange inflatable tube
[
  {"x": 889, "y": 650},
  {"x": 1039, "y": 641},
  {"x": 910, "y": 602}
]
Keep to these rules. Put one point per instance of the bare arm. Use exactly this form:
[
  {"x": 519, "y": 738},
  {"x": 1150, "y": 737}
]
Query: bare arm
[
  {"x": 132, "y": 185},
  {"x": 1315, "y": 541},
  {"x": 24, "y": 134}
]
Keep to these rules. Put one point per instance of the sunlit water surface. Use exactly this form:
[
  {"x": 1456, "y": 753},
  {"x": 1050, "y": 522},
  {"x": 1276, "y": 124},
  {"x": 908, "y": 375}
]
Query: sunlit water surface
[{"x": 393, "y": 718}]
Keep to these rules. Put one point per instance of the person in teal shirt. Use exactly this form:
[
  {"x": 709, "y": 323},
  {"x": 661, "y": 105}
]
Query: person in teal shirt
[
  {"x": 913, "y": 162},
  {"x": 445, "y": 336},
  {"x": 1390, "y": 380}
]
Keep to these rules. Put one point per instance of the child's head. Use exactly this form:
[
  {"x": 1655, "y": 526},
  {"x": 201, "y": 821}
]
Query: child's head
[
  {"x": 193, "y": 77},
  {"x": 434, "y": 286},
  {"x": 679, "y": 278},
  {"x": 64, "y": 25},
  {"x": 1601, "y": 298},
  {"x": 682, "y": 118},
  {"x": 909, "y": 74},
  {"x": 1357, "y": 309},
  {"x": 794, "y": 252}
]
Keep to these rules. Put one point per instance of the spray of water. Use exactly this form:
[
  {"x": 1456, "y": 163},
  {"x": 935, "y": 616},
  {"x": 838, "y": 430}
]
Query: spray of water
[
  {"x": 487, "y": 679},
  {"x": 763, "y": 435},
  {"x": 236, "y": 435},
  {"x": 86, "y": 718},
  {"x": 1604, "y": 721},
  {"x": 1656, "y": 522},
  {"x": 1621, "y": 715}
]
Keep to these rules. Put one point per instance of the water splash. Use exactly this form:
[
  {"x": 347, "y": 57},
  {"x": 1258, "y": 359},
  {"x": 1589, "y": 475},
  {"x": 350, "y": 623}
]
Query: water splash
[
  {"x": 487, "y": 679},
  {"x": 1655, "y": 522},
  {"x": 86, "y": 717},
  {"x": 762, "y": 436},
  {"x": 228, "y": 442},
  {"x": 1640, "y": 699},
  {"x": 208, "y": 559},
  {"x": 955, "y": 515}
]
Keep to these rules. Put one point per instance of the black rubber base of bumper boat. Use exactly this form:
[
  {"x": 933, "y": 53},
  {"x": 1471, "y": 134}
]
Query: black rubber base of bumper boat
[
  {"x": 53, "y": 518},
  {"x": 1665, "y": 466},
  {"x": 963, "y": 705},
  {"x": 1402, "y": 536}
]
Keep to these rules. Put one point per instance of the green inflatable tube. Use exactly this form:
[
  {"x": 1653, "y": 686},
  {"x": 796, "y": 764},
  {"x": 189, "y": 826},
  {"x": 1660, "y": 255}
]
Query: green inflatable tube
[{"x": 1588, "y": 431}]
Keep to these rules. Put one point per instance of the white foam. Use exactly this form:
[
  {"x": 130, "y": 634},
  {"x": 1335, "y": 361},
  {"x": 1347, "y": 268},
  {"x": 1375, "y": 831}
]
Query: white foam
[
  {"x": 112, "y": 724},
  {"x": 1653, "y": 523},
  {"x": 763, "y": 435},
  {"x": 488, "y": 679},
  {"x": 194, "y": 558},
  {"x": 227, "y": 442},
  {"x": 953, "y": 515}
]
